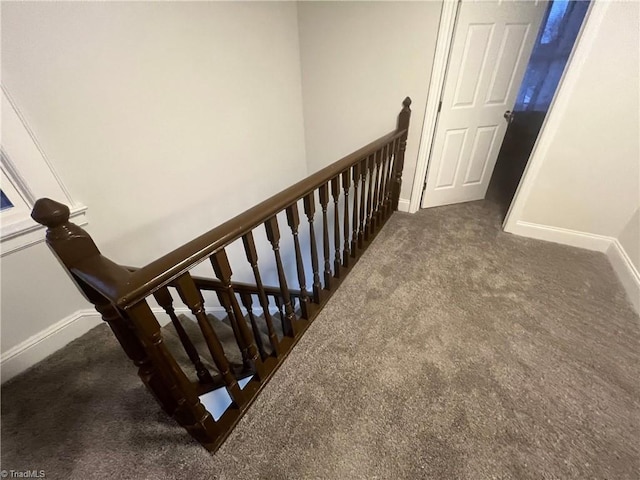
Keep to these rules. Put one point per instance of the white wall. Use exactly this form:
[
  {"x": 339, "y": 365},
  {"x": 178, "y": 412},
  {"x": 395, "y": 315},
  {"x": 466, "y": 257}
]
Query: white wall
[
  {"x": 582, "y": 185},
  {"x": 36, "y": 293},
  {"x": 629, "y": 239},
  {"x": 624, "y": 255},
  {"x": 359, "y": 61},
  {"x": 154, "y": 115}
]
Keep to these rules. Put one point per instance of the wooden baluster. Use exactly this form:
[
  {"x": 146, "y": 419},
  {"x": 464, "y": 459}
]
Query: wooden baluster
[
  {"x": 190, "y": 412},
  {"x": 248, "y": 304},
  {"x": 124, "y": 331},
  {"x": 323, "y": 192},
  {"x": 252, "y": 257},
  {"x": 273, "y": 235},
  {"x": 280, "y": 312},
  {"x": 163, "y": 297},
  {"x": 192, "y": 298},
  {"x": 388, "y": 188},
  {"x": 403, "y": 124},
  {"x": 356, "y": 183},
  {"x": 363, "y": 193},
  {"x": 222, "y": 268},
  {"x": 310, "y": 210},
  {"x": 383, "y": 184},
  {"x": 246, "y": 360},
  {"x": 375, "y": 225},
  {"x": 346, "y": 185},
  {"x": 293, "y": 219},
  {"x": 368, "y": 230},
  {"x": 335, "y": 193}
]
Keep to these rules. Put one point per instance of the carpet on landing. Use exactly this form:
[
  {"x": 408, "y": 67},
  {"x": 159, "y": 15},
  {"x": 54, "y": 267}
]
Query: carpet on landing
[{"x": 452, "y": 351}]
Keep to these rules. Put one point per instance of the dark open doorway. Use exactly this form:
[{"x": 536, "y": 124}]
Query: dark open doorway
[{"x": 558, "y": 33}]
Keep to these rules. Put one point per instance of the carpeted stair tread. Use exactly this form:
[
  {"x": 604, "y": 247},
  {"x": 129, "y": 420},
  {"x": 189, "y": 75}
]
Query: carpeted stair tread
[
  {"x": 263, "y": 332},
  {"x": 224, "y": 333},
  {"x": 277, "y": 323}
]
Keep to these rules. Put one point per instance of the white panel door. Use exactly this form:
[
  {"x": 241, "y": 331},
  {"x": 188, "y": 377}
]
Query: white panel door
[{"x": 489, "y": 55}]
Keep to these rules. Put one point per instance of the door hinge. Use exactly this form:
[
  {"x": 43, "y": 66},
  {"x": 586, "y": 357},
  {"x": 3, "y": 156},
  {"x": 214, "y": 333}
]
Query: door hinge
[
  {"x": 439, "y": 106},
  {"x": 424, "y": 187}
]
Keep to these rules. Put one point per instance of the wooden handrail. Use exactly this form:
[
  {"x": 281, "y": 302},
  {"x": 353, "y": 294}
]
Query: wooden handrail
[
  {"x": 213, "y": 284},
  {"x": 126, "y": 290}
]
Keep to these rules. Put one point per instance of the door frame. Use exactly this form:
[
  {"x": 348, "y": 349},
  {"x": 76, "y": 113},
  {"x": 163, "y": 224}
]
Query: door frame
[
  {"x": 444, "y": 41},
  {"x": 579, "y": 55},
  {"x": 446, "y": 31}
]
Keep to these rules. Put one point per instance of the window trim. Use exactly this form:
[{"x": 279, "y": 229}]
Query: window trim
[{"x": 27, "y": 172}]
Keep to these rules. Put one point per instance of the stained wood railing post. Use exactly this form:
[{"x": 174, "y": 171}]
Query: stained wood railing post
[
  {"x": 403, "y": 124},
  {"x": 310, "y": 210},
  {"x": 124, "y": 332},
  {"x": 192, "y": 298},
  {"x": 222, "y": 268},
  {"x": 190, "y": 412},
  {"x": 389, "y": 179},
  {"x": 252, "y": 258},
  {"x": 163, "y": 297},
  {"x": 242, "y": 345},
  {"x": 346, "y": 185},
  {"x": 383, "y": 185},
  {"x": 368, "y": 233},
  {"x": 323, "y": 193},
  {"x": 363, "y": 199},
  {"x": 247, "y": 302},
  {"x": 335, "y": 193},
  {"x": 71, "y": 245},
  {"x": 273, "y": 235},
  {"x": 355, "y": 223},
  {"x": 376, "y": 191},
  {"x": 283, "y": 319},
  {"x": 293, "y": 219}
]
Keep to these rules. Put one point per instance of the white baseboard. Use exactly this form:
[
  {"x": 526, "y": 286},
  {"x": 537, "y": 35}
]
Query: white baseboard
[
  {"x": 565, "y": 236},
  {"x": 39, "y": 346},
  {"x": 403, "y": 205},
  {"x": 626, "y": 272}
]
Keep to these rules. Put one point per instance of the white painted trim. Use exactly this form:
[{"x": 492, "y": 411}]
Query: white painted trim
[
  {"x": 626, "y": 271},
  {"x": 39, "y": 346},
  {"x": 403, "y": 205},
  {"x": 559, "y": 104},
  {"x": 30, "y": 175},
  {"x": 565, "y": 236},
  {"x": 22, "y": 148},
  {"x": 436, "y": 84}
]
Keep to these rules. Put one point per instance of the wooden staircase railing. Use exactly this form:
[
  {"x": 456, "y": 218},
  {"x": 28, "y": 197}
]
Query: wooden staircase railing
[{"x": 360, "y": 191}]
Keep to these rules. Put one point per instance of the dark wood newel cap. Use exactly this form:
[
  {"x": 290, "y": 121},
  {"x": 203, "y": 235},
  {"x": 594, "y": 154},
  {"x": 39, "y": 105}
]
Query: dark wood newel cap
[
  {"x": 50, "y": 213},
  {"x": 407, "y": 102}
]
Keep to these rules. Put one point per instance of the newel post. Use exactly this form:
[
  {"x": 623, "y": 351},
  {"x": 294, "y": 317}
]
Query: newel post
[
  {"x": 403, "y": 124},
  {"x": 71, "y": 245}
]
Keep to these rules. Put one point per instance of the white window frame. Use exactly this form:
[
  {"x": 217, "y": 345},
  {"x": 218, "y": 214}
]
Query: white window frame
[{"x": 26, "y": 176}]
